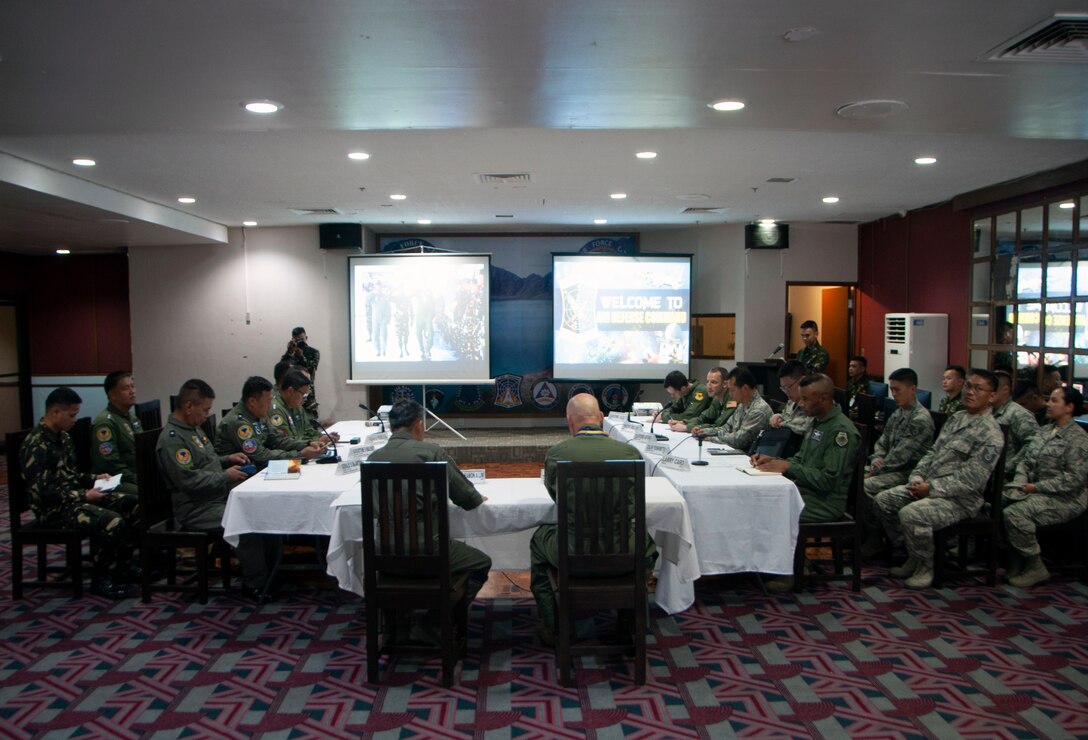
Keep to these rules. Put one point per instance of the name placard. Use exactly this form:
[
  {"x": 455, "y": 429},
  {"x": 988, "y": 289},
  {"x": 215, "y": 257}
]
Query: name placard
[
  {"x": 347, "y": 467},
  {"x": 360, "y": 452},
  {"x": 646, "y": 437},
  {"x": 634, "y": 426},
  {"x": 621, "y": 415},
  {"x": 377, "y": 438},
  {"x": 656, "y": 449},
  {"x": 677, "y": 463},
  {"x": 476, "y": 475}
]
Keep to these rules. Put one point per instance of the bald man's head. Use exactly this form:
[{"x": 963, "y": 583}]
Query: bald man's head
[{"x": 582, "y": 409}]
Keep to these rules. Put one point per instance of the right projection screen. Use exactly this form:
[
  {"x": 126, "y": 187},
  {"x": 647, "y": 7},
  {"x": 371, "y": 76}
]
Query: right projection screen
[{"x": 619, "y": 317}]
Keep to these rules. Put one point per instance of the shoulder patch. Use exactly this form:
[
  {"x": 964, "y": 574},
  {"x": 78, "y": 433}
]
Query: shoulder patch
[
  {"x": 277, "y": 420},
  {"x": 245, "y": 431},
  {"x": 841, "y": 439},
  {"x": 731, "y": 405},
  {"x": 699, "y": 396},
  {"x": 183, "y": 456},
  {"x": 103, "y": 433},
  {"x": 105, "y": 449},
  {"x": 249, "y": 447}
]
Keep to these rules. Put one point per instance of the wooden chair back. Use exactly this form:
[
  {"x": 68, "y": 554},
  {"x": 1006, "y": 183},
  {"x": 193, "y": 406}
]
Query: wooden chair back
[
  {"x": 150, "y": 414},
  {"x": 81, "y": 440},
  {"x": 18, "y": 496}
]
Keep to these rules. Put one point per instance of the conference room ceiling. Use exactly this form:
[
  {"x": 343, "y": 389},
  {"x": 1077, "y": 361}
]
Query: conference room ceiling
[{"x": 565, "y": 93}]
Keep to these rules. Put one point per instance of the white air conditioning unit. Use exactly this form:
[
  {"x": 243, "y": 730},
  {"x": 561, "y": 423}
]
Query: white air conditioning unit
[{"x": 918, "y": 341}]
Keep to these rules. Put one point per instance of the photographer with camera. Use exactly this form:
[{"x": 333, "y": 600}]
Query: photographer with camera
[{"x": 300, "y": 353}]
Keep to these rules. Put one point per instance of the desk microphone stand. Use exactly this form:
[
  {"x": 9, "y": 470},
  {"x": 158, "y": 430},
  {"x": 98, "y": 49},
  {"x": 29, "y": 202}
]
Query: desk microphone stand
[{"x": 700, "y": 461}]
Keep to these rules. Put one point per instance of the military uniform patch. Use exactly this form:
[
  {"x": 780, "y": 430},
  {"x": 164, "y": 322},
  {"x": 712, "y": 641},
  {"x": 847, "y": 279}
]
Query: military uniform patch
[
  {"x": 841, "y": 439},
  {"x": 277, "y": 420},
  {"x": 731, "y": 405},
  {"x": 989, "y": 456},
  {"x": 245, "y": 431},
  {"x": 103, "y": 434},
  {"x": 105, "y": 449},
  {"x": 699, "y": 395},
  {"x": 183, "y": 456},
  {"x": 249, "y": 447},
  {"x": 817, "y": 435},
  {"x": 196, "y": 441}
]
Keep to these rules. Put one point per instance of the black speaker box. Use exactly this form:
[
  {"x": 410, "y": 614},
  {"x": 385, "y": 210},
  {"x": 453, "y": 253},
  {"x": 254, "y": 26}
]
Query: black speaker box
[
  {"x": 772, "y": 236},
  {"x": 340, "y": 236}
]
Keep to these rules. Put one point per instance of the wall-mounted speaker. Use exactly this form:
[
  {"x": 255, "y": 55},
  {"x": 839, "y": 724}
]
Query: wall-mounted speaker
[
  {"x": 767, "y": 236},
  {"x": 340, "y": 236}
]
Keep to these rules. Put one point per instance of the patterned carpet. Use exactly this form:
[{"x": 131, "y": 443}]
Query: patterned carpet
[{"x": 966, "y": 661}]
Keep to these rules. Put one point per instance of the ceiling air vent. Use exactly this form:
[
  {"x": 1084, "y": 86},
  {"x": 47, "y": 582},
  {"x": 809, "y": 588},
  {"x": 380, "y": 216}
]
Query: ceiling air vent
[
  {"x": 1063, "y": 38},
  {"x": 704, "y": 211},
  {"x": 315, "y": 211},
  {"x": 509, "y": 178}
]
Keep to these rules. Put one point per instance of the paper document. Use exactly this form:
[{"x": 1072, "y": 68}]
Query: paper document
[
  {"x": 283, "y": 469},
  {"x": 107, "y": 484},
  {"x": 753, "y": 471}
]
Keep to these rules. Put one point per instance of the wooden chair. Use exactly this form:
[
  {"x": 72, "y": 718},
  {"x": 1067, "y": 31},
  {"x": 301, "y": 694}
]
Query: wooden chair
[
  {"x": 159, "y": 531},
  {"x": 33, "y": 533},
  {"x": 606, "y": 503},
  {"x": 81, "y": 440},
  {"x": 985, "y": 524},
  {"x": 938, "y": 422},
  {"x": 209, "y": 426},
  {"x": 150, "y": 414},
  {"x": 842, "y": 398},
  {"x": 849, "y": 530},
  {"x": 406, "y": 561}
]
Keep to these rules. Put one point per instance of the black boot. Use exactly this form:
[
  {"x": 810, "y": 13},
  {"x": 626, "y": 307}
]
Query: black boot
[{"x": 105, "y": 587}]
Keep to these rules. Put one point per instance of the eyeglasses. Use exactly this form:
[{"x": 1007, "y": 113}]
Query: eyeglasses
[
  {"x": 978, "y": 387},
  {"x": 786, "y": 388}
]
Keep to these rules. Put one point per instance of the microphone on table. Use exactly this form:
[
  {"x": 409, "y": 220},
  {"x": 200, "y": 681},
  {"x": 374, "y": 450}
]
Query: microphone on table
[
  {"x": 335, "y": 456},
  {"x": 700, "y": 461},
  {"x": 660, "y": 437},
  {"x": 777, "y": 349},
  {"x": 364, "y": 407}
]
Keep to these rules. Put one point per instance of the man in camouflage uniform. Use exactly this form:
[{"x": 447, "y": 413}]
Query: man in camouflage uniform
[
  {"x": 199, "y": 481},
  {"x": 588, "y": 443},
  {"x": 823, "y": 468},
  {"x": 813, "y": 356},
  {"x": 1047, "y": 487},
  {"x": 793, "y": 416},
  {"x": 402, "y": 319},
  {"x": 245, "y": 429},
  {"x": 857, "y": 382},
  {"x": 113, "y": 435},
  {"x": 300, "y": 353},
  {"x": 752, "y": 413},
  {"x": 1021, "y": 422},
  {"x": 952, "y": 384},
  {"x": 713, "y": 416},
  {"x": 689, "y": 399},
  {"x": 63, "y": 497},
  {"x": 288, "y": 416},
  {"x": 948, "y": 483},
  {"x": 907, "y": 437}
]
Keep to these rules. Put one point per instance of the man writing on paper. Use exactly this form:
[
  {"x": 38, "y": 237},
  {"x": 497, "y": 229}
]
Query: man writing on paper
[
  {"x": 751, "y": 416},
  {"x": 246, "y": 429},
  {"x": 688, "y": 399},
  {"x": 822, "y": 467}
]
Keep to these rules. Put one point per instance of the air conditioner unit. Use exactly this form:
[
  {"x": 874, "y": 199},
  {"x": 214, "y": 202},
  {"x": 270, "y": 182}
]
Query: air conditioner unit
[{"x": 918, "y": 341}]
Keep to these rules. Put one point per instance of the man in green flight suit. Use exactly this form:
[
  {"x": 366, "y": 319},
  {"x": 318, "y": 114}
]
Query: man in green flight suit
[
  {"x": 406, "y": 445},
  {"x": 720, "y": 409},
  {"x": 246, "y": 429},
  {"x": 822, "y": 468},
  {"x": 589, "y": 443},
  {"x": 62, "y": 496},
  {"x": 689, "y": 399},
  {"x": 813, "y": 356},
  {"x": 288, "y": 416},
  {"x": 113, "y": 435}
]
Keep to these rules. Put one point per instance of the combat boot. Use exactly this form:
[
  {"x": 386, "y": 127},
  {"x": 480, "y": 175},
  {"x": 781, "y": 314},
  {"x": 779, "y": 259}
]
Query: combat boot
[
  {"x": 906, "y": 569},
  {"x": 923, "y": 576},
  {"x": 1016, "y": 564},
  {"x": 1034, "y": 572}
]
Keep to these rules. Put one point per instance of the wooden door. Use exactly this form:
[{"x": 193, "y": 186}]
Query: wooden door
[{"x": 835, "y": 331}]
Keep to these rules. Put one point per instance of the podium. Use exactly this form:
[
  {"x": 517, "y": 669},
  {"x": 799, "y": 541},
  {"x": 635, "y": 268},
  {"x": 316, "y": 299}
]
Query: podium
[{"x": 766, "y": 375}]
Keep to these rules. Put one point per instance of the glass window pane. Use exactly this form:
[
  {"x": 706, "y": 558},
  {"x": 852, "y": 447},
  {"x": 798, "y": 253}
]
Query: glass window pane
[
  {"x": 1026, "y": 317},
  {"x": 1056, "y": 329},
  {"x": 982, "y": 233},
  {"x": 1080, "y": 330},
  {"x": 980, "y": 326},
  {"x": 1082, "y": 272},
  {"x": 979, "y": 357},
  {"x": 1031, "y": 230},
  {"x": 980, "y": 282},
  {"x": 1029, "y": 280},
  {"x": 1005, "y": 277},
  {"x": 1082, "y": 228},
  {"x": 1059, "y": 227},
  {"x": 1055, "y": 371},
  {"x": 1028, "y": 363},
  {"x": 1059, "y": 275},
  {"x": 1080, "y": 371},
  {"x": 1005, "y": 233},
  {"x": 1003, "y": 359},
  {"x": 1004, "y": 330}
]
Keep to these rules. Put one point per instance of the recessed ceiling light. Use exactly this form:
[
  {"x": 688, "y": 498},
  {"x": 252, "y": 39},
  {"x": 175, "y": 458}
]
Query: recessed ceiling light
[
  {"x": 802, "y": 33},
  {"x": 262, "y": 106},
  {"x": 926, "y": 160},
  {"x": 423, "y": 221},
  {"x": 358, "y": 155},
  {"x": 618, "y": 196},
  {"x": 726, "y": 105},
  {"x": 84, "y": 162},
  {"x": 1067, "y": 204},
  {"x": 600, "y": 221},
  {"x": 398, "y": 196},
  {"x": 766, "y": 222},
  {"x": 186, "y": 199},
  {"x": 693, "y": 196},
  {"x": 646, "y": 155},
  {"x": 249, "y": 223},
  {"x": 831, "y": 199},
  {"x": 64, "y": 251}
]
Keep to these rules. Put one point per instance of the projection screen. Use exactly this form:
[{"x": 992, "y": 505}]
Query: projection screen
[
  {"x": 620, "y": 317},
  {"x": 420, "y": 318}
]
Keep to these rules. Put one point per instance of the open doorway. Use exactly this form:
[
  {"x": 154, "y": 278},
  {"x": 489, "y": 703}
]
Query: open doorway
[
  {"x": 15, "y": 411},
  {"x": 831, "y": 306}
]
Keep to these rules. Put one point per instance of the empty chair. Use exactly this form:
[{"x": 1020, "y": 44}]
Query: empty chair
[{"x": 150, "y": 414}]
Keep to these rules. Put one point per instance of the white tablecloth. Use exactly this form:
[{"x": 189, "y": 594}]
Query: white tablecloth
[
  {"x": 742, "y": 523},
  {"x": 504, "y": 524}
]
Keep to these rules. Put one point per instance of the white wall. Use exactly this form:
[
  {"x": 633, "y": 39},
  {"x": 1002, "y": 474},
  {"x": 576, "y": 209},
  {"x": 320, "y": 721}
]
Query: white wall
[{"x": 188, "y": 308}]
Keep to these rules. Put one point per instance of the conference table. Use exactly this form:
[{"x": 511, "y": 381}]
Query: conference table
[
  {"x": 322, "y": 501},
  {"x": 742, "y": 523}
]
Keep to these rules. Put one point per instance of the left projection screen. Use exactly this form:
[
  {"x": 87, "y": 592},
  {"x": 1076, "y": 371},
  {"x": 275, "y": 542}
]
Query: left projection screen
[{"x": 420, "y": 318}]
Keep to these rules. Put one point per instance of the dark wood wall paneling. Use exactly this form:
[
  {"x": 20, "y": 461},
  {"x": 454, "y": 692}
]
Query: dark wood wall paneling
[{"x": 79, "y": 311}]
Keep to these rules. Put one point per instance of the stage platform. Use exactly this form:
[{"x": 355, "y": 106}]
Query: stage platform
[{"x": 498, "y": 445}]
